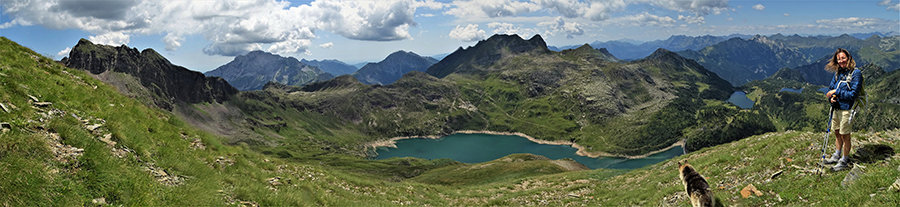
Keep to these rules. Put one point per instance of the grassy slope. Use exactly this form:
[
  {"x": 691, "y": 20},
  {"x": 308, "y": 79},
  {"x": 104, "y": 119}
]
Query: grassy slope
[
  {"x": 217, "y": 175},
  {"x": 32, "y": 177}
]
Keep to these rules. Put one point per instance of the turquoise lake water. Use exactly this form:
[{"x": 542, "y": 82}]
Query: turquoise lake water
[
  {"x": 791, "y": 90},
  {"x": 740, "y": 99},
  {"x": 477, "y": 148}
]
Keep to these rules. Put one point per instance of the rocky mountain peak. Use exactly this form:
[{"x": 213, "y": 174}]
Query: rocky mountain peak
[
  {"x": 588, "y": 50},
  {"x": 393, "y": 67},
  {"x": 664, "y": 54},
  {"x": 170, "y": 83},
  {"x": 253, "y": 70},
  {"x": 486, "y": 52}
]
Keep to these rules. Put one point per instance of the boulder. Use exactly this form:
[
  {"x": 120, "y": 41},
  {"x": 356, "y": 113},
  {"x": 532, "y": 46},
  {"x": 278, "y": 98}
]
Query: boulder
[{"x": 851, "y": 177}]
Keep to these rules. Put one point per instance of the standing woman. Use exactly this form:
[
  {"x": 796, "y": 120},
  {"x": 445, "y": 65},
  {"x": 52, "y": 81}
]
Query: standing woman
[{"x": 844, "y": 90}]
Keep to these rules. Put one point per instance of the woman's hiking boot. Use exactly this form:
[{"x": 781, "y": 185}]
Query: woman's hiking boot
[
  {"x": 832, "y": 160},
  {"x": 841, "y": 165}
]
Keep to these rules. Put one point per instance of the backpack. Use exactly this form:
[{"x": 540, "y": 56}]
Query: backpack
[{"x": 862, "y": 100}]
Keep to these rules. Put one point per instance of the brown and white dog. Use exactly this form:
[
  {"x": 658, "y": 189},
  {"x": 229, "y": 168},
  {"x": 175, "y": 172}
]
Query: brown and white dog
[{"x": 695, "y": 185}]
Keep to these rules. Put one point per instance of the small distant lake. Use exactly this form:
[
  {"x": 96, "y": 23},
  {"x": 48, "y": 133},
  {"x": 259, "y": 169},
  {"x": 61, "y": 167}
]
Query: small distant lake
[
  {"x": 477, "y": 148},
  {"x": 823, "y": 90},
  {"x": 740, "y": 99},
  {"x": 791, "y": 90}
]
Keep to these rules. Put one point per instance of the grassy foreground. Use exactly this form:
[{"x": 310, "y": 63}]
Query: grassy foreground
[{"x": 93, "y": 146}]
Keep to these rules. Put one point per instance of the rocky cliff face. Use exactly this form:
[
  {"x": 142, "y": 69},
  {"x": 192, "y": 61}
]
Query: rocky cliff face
[
  {"x": 167, "y": 82},
  {"x": 253, "y": 70},
  {"x": 485, "y": 53},
  {"x": 393, "y": 67}
]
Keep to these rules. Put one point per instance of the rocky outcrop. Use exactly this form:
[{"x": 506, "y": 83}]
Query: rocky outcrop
[
  {"x": 169, "y": 83},
  {"x": 485, "y": 53},
  {"x": 253, "y": 70}
]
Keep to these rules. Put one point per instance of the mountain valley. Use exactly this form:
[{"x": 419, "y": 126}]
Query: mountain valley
[{"x": 130, "y": 128}]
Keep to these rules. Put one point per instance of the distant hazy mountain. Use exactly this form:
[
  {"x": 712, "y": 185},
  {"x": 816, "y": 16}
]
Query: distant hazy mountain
[
  {"x": 440, "y": 57},
  {"x": 360, "y": 65},
  {"x": 335, "y": 67},
  {"x": 628, "y": 49},
  {"x": 392, "y": 68},
  {"x": 880, "y": 34},
  {"x": 742, "y": 60},
  {"x": 253, "y": 70}
]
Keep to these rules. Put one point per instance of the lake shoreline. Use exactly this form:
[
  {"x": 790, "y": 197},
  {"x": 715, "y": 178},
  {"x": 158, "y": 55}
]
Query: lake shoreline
[{"x": 582, "y": 151}]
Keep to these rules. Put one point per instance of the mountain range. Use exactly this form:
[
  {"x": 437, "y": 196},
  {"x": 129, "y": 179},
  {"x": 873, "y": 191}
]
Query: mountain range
[
  {"x": 69, "y": 139},
  {"x": 392, "y": 68},
  {"x": 742, "y": 60},
  {"x": 334, "y": 67},
  {"x": 632, "y": 50},
  {"x": 253, "y": 70},
  {"x": 506, "y": 83}
]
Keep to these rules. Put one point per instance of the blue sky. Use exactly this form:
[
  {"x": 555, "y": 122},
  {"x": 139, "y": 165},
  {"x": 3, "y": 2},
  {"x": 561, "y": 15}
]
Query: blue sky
[{"x": 202, "y": 35}]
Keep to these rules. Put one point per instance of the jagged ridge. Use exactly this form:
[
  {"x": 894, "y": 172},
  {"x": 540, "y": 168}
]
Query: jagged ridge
[{"x": 171, "y": 83}]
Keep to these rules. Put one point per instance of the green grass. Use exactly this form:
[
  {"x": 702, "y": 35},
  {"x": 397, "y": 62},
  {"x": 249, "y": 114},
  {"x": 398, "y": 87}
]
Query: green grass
[{"x": 307, "y": 174}]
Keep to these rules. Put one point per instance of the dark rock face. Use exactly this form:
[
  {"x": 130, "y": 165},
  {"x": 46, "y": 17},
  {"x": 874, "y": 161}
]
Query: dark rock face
[
  {"x": 253, "y": 70},
  {"x": 167, "y": 81},
  {"x": 392, "y": 68},
  {"x": 485, "y": 53}
]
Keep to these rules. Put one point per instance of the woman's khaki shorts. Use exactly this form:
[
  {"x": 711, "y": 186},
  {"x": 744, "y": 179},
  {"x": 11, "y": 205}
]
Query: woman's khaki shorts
[{"x": 841, "y": 121}]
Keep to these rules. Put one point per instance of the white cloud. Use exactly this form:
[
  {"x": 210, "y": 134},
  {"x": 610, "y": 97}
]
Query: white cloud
[
  {"x": 173, "y": 42},
  {"x": 469, "y": 33},
  {"x": 112, "y": 38},
  {"x": 431, "y": 4},
  {"x": 729, "y": 19},
  {"x": 693, "y": 19},
  {"x": 825, "y": 26},
  {"x": 570, "y": 29},
  {"x": 64, "y": 52},
  {"x": 890, "y": 6},
  {"x": 861, "y": 23},
  {"x": 698, "y": 7},
  {"x": 759, "y": 7},
  {"x": 230, "y": 25},
  {"x": 595, "y": 10},
  {"x": 231, "y": 49},
  {"x": 507, "y": 28},
  {"x": 490, "y": 8},
  {"x": 641, "y": 20},
  {"x": 327, "y": 45},
  {"x": 297, "y": 46},
  {"x": 787, "y": 15},
  {"x": 426, "y": 15}
]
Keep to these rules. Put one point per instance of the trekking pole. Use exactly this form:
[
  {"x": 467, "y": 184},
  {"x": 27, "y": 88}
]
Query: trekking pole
[{"x": 825, "y": 146}]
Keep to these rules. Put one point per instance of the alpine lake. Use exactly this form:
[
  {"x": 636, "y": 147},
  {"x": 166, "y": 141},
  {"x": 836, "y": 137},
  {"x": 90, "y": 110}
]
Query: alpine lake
[{"x": 477, "y": 148}]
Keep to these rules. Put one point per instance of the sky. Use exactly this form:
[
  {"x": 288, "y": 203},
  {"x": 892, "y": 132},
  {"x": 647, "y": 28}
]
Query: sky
[{"x": 203, "y": 35}]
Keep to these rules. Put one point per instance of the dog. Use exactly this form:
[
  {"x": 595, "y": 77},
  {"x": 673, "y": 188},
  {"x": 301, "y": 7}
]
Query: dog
[{"x": 695, "y": 185}]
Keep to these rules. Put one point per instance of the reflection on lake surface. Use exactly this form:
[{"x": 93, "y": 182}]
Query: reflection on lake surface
[
  {"x": 740, "y": 99},
  {"x": 791, "y": 90},
  {"x": 477, "y": 148}
]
